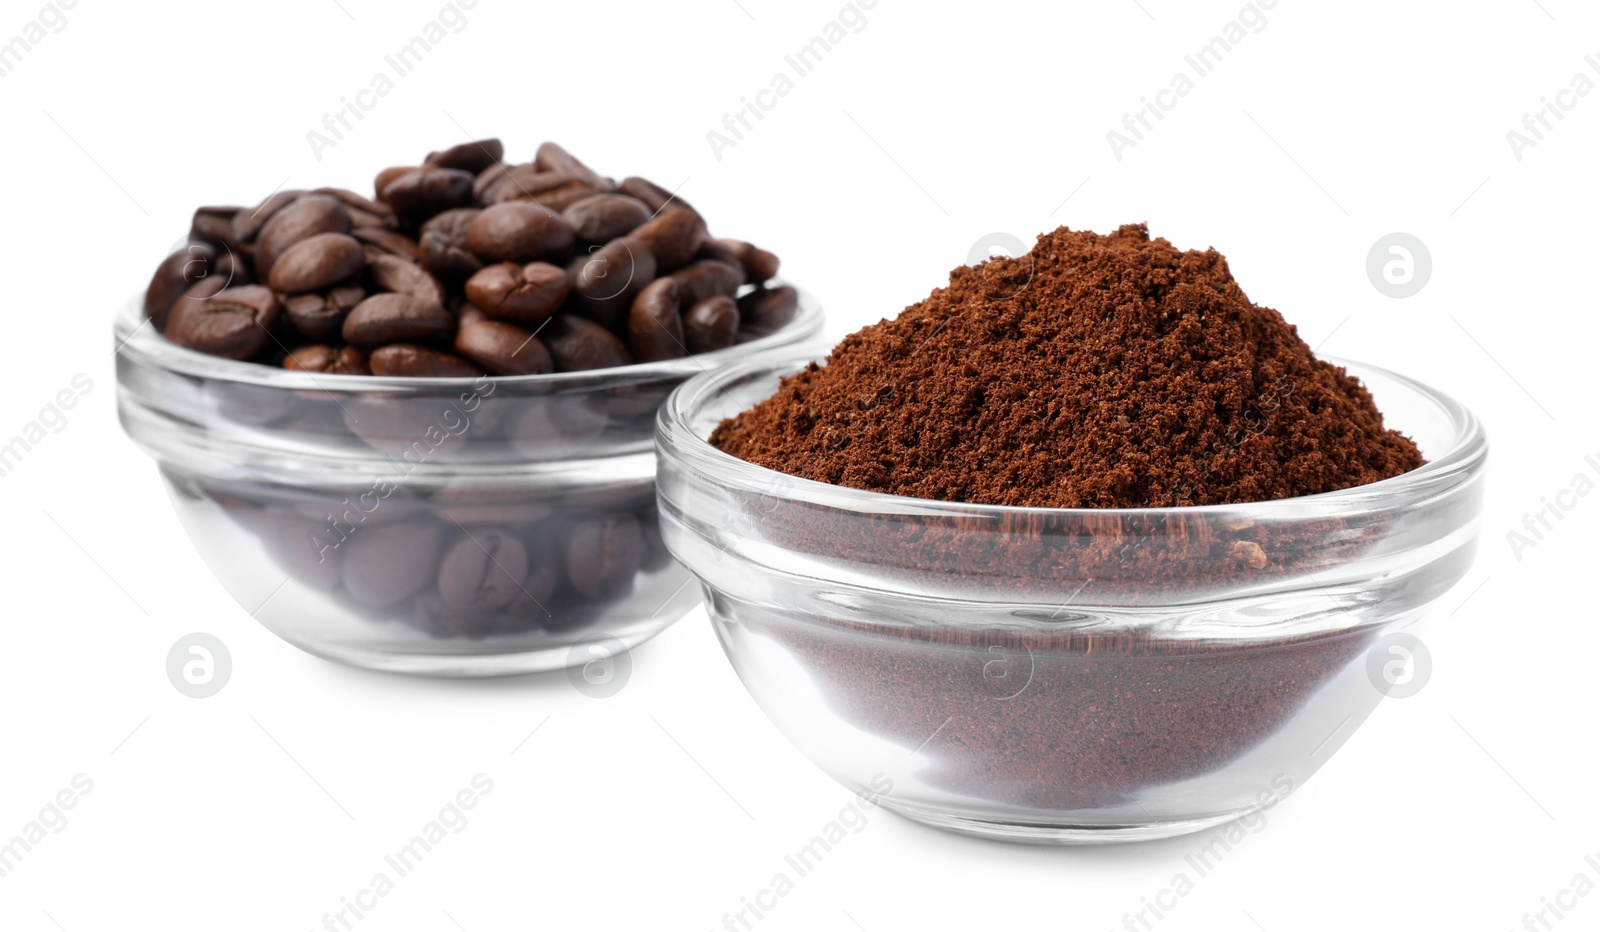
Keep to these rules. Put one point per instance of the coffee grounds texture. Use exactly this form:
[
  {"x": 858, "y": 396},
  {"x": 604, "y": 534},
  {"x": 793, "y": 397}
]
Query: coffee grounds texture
[{"x": 1097, "y": 371}]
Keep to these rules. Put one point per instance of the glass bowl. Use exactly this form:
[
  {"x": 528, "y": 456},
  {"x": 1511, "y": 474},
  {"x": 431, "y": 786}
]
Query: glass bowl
[
  {"x": 456, "y": 527},
  {"x": 1065, "y": 675}
]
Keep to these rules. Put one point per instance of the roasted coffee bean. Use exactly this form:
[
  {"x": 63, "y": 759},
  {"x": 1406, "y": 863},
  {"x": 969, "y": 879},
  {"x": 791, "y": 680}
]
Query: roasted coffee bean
[
  {"x": 408, "y": 359},
  {"x": 248, "y": 222},
  {"x": 605, "y": 280},
  {"x": 554, "y": 427},
  {"x": 576, "y": 344},
  {"x": 361, "y": 220},
  {"x": 711, "y": 324},
  {"x": 438, "y": 620},
  {"x": 402, "y": 426},
  {"x": 655, "y": 331},
  {"x": 389, "y": 563},
  {"x": 628, "y": 402},
  {"x": 766, "y": 309},
  {"x": 347, "y": 360},
  {"x": 201, "y": 290},
  {"x": 396, "y": 318},
  {"x": 390, "y": 273},
  {"x": 471, "y": 157},
  {"x": 563, "y": 196},
  {"x": 316, "y": 263},
  {"x": 538, "y": 589},
  {"x": 232, "y": 268},
  {"x": 296, "y": 544},
  {"x": 467, "y": 501},
  {"x": 603, "y": 554},
  {"x": 551, "y": 157},
  {"x": 610, "y": 313},
  {"x": 673, "y": 237},
  {"x": 214, "y": 226},
  {"x": 759, "y": 265},
  {"x": 443, "y": 244},
  {"x": 364, "y": 212},
  {"x": 321, "y": 316},
  {"x": 653, "y": 195},
  {"x": 525, "y": 179},
  {"x": 174, "y": 276},
  {"x": 379, "y": 241},
  {"x": 386, "y": 177},
  {"x": 468, "y": 237},
  {"x": 235, "y": 322},
  {"x": 305, "y": 218},
  {"x": 503, "y": 349},
  {"x": 601, "y": 218},
  {"x": 718, "y": 250},
  {"x": 447, "y": 260},
  {"x": 620, "y": 268},
  {"x": 420, "y": 194},
  {"x": 482, "y": 570},
  {"x": 523, "y": 294},
  {"x": 519, "y": 231},
  {"x": 555, "y": 190},
  {"x": 331, "y": 512},
  {"x": 453, "y": 224},
  {"x": 707, "y": 278},
  {"x": 484, "y": 185}
]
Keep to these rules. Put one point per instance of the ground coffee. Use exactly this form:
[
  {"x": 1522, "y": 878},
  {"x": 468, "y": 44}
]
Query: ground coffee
[
  {"x": 1094, "y": 372},
  {"x": 1097, "y": 372}
]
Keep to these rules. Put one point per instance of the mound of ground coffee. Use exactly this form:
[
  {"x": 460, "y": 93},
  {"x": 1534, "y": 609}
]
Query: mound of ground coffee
[{"x": 1095, "y": 372}]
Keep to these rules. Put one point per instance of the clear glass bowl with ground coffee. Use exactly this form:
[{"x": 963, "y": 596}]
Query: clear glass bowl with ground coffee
[
  {"x": 449, "y": 526},
  {"x": 1064, "y": 675}
]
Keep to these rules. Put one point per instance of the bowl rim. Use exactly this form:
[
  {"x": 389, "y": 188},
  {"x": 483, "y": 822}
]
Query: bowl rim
[
  {"x": 677, "y": 441},
  {"x": 145, "y": 345}
]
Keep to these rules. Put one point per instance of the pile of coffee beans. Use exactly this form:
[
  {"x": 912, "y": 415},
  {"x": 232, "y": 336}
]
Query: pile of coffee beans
[
  {"x": 466, "y": 265},
  {"x": 452, "y": 565}
]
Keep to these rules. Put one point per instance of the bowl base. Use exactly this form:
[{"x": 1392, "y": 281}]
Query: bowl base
[
  {"x": 1039, "y": 833},
  {"x": 462, "y": 665}
]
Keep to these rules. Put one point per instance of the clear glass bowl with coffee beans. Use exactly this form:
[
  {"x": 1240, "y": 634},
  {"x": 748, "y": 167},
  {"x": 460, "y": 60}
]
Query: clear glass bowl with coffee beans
[{"x": 412, "y": 432}]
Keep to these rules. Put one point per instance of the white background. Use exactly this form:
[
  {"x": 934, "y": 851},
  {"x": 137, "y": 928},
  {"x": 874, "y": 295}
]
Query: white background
[{"x": 259, "y": 808}]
